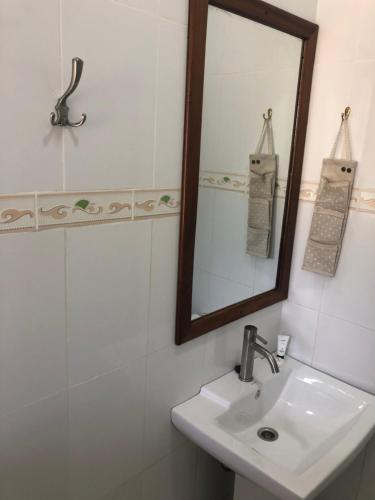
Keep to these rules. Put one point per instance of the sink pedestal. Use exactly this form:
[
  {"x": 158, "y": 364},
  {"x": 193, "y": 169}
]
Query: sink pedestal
[{"x": 244, "y": 489}]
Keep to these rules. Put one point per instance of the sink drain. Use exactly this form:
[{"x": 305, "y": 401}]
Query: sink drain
[{"x": 268, "y": 434}]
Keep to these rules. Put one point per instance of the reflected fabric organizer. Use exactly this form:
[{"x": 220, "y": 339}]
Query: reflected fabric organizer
[
  {"x": 331, "y": 209},
  {"x": 263, "y": 171}
]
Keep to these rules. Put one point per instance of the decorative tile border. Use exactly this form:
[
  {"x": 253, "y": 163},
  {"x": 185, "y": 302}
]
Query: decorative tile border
[
  {"x": 156, "y": 202},
  {"x": 363, "y": 199},
  {"x": 309, "y": 192},
  {"x": 81, "y": 208},
  {"x": 36, "y": 211},
  {"x": 366, "y": 201},
  {"x": 227, "y": 181},
  {"x": 234, "y": 182},
  {"x": 17, "y": 213}
]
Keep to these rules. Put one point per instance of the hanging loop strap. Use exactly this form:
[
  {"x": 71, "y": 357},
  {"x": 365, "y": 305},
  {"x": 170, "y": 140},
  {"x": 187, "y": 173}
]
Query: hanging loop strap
[
  {"x": 344, "y": 136},
  {"x": 267, "y": 131}
]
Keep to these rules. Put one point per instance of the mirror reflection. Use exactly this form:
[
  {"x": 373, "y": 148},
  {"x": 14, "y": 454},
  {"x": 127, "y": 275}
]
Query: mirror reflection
[{"x": 250, "y": 91}]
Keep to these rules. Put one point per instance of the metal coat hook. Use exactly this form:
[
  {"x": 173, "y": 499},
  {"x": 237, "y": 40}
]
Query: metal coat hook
[
  {"x": 268, "y": 116},
  {"x": 61, "y": 117},
  {"x": 345, "y": 115}
]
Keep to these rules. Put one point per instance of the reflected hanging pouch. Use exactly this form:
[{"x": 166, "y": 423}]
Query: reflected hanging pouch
[
  {"x": 331, "y": 208},
  {"x": 263, "y": 171}
]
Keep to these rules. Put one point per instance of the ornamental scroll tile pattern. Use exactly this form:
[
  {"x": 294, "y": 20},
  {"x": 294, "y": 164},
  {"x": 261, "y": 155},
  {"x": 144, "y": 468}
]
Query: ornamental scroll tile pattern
[
  {"x": 366, "y": 202},
  {"x": 17, "y": 213},
  {"x": 226, "y": 181},
  {"x": 156, "y": 202},
  {"x": 240, "y": 183},
  {"x": 309, "y": 191},
  {"x": 83, "y": 208},
  {"x": 31, "y": 211},
  {"x": 234, "y": 182}
]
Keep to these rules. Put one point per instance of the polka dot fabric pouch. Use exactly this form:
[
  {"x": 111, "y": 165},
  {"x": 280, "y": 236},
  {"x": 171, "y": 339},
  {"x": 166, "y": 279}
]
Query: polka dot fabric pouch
[
  {"x": 263, "y": 170},
  {"x": 331, "y": 209}
]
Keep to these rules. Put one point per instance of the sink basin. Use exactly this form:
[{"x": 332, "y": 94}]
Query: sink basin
[{"x": 321, "y": 424}]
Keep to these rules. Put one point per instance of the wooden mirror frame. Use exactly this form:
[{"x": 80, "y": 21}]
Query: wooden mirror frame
[{"x": 271, "y": 16}]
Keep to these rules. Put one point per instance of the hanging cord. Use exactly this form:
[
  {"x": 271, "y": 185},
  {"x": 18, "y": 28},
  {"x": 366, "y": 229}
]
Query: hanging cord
[
  {"x": 267, "y": 131},
  {"x": 344, "y": 134}
]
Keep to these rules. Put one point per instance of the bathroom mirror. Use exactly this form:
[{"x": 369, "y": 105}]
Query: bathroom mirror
[{"x": 249, "y": 75}]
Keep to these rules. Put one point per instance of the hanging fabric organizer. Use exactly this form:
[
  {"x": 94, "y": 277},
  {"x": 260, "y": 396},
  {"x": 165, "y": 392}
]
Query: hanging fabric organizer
[
  {"x": 331, "y": 207},
  {"x": 263, "y": 171}
]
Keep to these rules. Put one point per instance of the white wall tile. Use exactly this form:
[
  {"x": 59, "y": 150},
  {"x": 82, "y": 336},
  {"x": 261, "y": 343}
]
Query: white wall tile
[
  {"x": 108, "y": 273},
  {"x": 175, "y": 10},
  {"x": 362, "y": 119},
  {"x": 222, "y": 351},
  {"x": 117, "y": 91},
  {"x": 223, "y": 292},
  {"x": 34, "y": 451},
  {"x": 30, "y": 155},
  {"x": 172, "y": 478},
  {"x": 346, "y": 351},
  {"x": 305, "y": 288},
  {"x": 300, "y": 323},
  {"x": 150, "y": 6},
  {"x": 106, "y": 428},
  {"x": 201, "y": 292},
  {"x": 265, "y": 270},
  {"x": 216, "y": 43},
  {"x": 174, "y": 374},
  {"x": 163, "y": 287},
  {"x": 131, "y": 490},
  {"x": 32, "y": 318},
  {"x": 350, "y": 294},
  {"x": 365, "y": 47},
  {"x": 305, "y": 9},
  {"x": 228, "y": 252},
  {"x": 331, "y": 92},
  {"x": 204, "y": 228},
  {"x": 211, "y": 146},
  {"x": 170, "y": 104},
  {"x": 339, "y": 30}
]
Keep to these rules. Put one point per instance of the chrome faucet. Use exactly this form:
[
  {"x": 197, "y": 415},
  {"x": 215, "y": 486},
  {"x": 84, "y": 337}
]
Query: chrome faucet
[{"x": 249, "y": 348}]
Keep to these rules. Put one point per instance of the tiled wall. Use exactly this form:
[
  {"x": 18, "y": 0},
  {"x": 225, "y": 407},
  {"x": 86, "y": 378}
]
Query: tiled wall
[
  {"x": 88, "y": 366},
  {"x": 223, "y": 272},
  {"x": 332, "y": 321}
]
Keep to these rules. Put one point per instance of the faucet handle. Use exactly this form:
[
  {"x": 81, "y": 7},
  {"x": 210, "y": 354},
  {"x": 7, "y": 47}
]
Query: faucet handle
[
  {"x": 262, "y": 339},
  {"x": 251, "y": 334}
]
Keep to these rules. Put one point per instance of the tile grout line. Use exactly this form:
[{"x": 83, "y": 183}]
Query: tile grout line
[
  {"x": 156, "y": 95},
  {"x": 36, "y": 208},
  {"x": 63, "y": 165},
  {"x": 67, "y": 354},
  {"x": 146, "y": 391}
]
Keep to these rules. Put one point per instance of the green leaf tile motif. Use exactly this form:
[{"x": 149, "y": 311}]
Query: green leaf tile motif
[{"x": 82, "y": 204}]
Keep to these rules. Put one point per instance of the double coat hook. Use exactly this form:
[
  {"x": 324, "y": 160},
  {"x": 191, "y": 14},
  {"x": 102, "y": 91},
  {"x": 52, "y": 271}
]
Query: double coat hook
[{"x": 61, "y": 117}]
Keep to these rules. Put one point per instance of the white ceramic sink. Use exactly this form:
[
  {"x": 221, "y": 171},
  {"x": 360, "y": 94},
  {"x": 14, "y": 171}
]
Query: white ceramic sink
[{"x": 322, "y": 425}]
